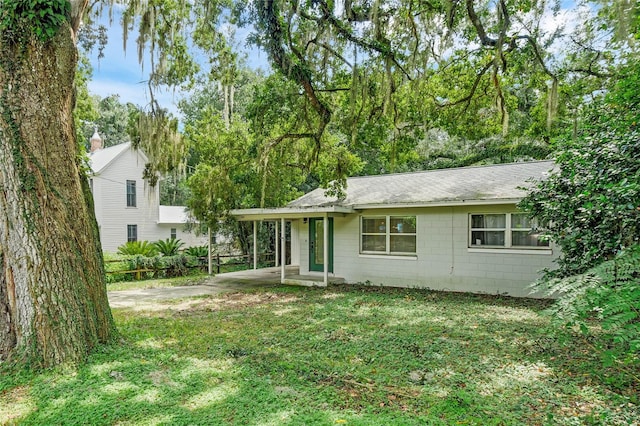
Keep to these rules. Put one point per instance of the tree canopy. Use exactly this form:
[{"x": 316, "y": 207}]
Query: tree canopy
[{"x": 376, "y": 80}]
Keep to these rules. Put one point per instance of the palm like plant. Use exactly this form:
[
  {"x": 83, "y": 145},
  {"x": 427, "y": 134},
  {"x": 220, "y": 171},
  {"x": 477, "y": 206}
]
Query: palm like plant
[
  {"x": 168, "y": 247},
  {"x": 197, "y": 251},
  {"x": 143, "y": 248}
]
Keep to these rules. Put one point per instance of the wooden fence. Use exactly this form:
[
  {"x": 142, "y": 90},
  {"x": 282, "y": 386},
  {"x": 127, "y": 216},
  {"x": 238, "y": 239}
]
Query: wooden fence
[{"x": 218, "y": 262}]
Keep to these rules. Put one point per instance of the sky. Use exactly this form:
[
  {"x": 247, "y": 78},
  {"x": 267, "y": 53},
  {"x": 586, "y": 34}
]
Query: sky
[{"x": 119, "y": 71}]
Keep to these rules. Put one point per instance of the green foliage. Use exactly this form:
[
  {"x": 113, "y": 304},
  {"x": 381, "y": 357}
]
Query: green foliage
[
  {"x": 197, "y": 251},
  {"x": 143, "y": 248},
  {"x": 439, "y": 150},
  {"x": 608, "y": 292},
  {"x": 168, "y": 247},
  {"x": 129, "y": 267},
  {"x": 591, "y": 207},
  {"x": 42, "y": 18},
  {"x": 112, "y": 118},
  {"x": 591, "y": 203},
  {"x": 177, "y": 265}
]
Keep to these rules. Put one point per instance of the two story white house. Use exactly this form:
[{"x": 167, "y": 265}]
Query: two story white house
[{"x": 127, "y": 208}]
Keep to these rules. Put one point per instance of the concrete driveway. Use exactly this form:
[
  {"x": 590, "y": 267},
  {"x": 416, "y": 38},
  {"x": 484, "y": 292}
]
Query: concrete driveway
[{"x": 223, "y": 283}]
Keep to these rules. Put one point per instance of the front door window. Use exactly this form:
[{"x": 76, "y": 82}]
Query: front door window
[{"x": 316, "y": 244}]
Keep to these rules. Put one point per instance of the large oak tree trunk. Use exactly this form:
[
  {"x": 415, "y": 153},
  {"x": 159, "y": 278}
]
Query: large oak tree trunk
[{"x": 53, "y": 300}]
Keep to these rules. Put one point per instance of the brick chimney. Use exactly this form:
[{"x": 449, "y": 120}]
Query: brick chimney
[{"x": 96, "y": 141}]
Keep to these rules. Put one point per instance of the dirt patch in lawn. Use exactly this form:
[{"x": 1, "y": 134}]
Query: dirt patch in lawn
[{"x": 239, "y": 300}]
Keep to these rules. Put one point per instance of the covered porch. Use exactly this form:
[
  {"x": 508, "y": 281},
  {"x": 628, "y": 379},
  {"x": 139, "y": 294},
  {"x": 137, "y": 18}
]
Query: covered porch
[{"x": 320, "y": 242}]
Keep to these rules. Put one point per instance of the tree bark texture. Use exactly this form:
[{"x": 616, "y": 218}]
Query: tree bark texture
[{"x": 53, "y": 299}]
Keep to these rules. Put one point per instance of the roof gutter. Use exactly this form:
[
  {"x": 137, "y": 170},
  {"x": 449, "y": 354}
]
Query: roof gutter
[{"x": 446, "y": 203}]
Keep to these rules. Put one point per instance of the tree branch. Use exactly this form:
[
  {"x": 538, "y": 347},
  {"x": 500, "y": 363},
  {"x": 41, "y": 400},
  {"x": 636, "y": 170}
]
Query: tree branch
[
  {"x": 475, "y": 20},
  {"x": 467, "y": 99}
]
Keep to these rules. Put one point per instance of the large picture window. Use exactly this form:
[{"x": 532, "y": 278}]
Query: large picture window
[
  {"x": 504, "y": 230},
  {"x": 131, "y": 193},
  {"x": 388, "y": 234}
]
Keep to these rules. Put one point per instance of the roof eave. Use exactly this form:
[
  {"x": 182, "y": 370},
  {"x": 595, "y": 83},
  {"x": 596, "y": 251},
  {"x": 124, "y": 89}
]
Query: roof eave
[{"x": 289, "y": 212}]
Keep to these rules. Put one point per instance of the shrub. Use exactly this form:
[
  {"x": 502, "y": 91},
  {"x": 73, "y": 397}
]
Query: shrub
[
  {"x": 197, "y": 251},
  {"x": 609, "y": 291},
  {"x": 168, "y": 247},
  {"x": 143, "y": 248},
  {"x": 176, "y": 266},
  {"x": 592, "y": 210}
]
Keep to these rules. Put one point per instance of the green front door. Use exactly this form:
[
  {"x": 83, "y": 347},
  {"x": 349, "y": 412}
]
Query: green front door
[{"x": 316, "y": 244}]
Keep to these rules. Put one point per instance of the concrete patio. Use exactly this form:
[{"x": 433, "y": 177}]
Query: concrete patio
[{"x": 272, "y": 276}]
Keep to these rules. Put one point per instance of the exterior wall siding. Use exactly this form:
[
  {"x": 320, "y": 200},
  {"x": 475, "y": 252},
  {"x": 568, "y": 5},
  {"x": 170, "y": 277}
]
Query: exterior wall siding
[
  {"x": 443, "y": 260},
  {"x": 113, "y": 215},
  {"x": 163, "y": 231},
  {"x": 111, "y": 202}
]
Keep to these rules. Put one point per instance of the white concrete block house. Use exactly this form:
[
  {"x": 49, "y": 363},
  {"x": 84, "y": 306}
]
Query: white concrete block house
[
  {"x": 127, "y": 208},
  {"x": 451, "y": 229}
]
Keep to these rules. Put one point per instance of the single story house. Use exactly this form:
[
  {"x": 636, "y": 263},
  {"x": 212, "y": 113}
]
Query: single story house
[{"x": 452, "y": 229}]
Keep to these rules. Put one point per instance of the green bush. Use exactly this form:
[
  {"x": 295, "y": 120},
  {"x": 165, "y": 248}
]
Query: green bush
[
  {"x": 178, "y": 265},
  {"x": 610, "y": 292},
  {"x": 197, "y": 251},
  {"x": 159, "y": 266},
  {"x": 591, "y": 208},
  {"x": 143, "y": 248},
  {"x": 114, "y": 263},
  {"x": 168, "y": 247}
]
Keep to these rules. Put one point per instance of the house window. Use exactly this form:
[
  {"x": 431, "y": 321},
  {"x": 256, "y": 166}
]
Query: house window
[
  {"x": 174, "y": 233},
  {"x": 131, "y": 193},
  {"x": 523, "y": 232},
  {"x": 132, "y": 233},
  {"x": 388, "y": 235},
  {"x": 505, "y": 230}
]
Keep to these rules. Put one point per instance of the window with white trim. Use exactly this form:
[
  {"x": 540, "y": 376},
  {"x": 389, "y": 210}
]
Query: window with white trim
[
  {"x": 504, "y": 230},
  {"x": 388, "y": 235},
  {"x": 173, "y": 233}
]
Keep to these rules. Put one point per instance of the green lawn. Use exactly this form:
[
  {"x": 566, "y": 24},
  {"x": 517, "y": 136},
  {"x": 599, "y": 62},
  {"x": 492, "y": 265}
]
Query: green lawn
[
  {"x": 343, "y": 355},
  {"x": 195, "y": 279}
]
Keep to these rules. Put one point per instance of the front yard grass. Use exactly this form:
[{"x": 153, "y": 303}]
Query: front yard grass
[
  {"x": 193, "y": 279},
  {"x": 343, "y": 355}
]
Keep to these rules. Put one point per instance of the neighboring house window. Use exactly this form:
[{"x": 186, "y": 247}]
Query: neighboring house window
[
  {"x": 131, "y": 193},
  {"x": 132, "y": 233},
  {"x": 174, "y": 233},
  {"x": 510, "y": 230},
  {"x": 388, "y": 234},
  {"x": 91, "y": 185}
]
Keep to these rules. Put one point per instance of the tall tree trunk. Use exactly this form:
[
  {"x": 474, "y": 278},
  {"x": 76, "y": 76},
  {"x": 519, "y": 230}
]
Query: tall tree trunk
[{"x": 53, "y": 300}]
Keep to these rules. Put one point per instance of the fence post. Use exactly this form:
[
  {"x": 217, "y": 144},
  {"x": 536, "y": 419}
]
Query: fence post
[{"x": 217, "y": 263}]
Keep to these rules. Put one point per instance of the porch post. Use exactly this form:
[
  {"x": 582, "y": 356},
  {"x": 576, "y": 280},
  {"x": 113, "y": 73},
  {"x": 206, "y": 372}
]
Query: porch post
[
  {"x": 283, "y": 247},
  {"x": 255, "y": 244},
  {"x": 277, "y": 254},
  {"x": 325, "y": 237},
  {"x": 209, "y": 264}
]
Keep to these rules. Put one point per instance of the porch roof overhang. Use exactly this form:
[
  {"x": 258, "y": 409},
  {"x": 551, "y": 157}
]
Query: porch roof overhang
[
  {"x": 300, "y": 212},
  {"x": 290, "y": 212}
]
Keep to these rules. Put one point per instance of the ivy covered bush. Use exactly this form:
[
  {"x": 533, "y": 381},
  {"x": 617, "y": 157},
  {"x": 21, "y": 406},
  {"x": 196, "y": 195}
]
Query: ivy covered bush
[{"x": 591, "y": 208}]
